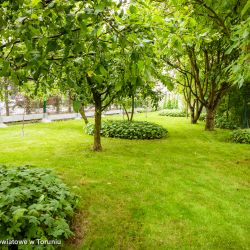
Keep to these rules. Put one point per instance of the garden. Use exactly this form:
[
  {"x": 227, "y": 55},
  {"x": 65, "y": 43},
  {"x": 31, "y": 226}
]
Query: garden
[
  {"x": 124, "y": 124},
  {"x": 188, "y": 190}
]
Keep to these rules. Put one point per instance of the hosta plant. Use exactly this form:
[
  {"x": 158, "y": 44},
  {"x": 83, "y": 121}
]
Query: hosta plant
[
  {"x": 240, "y": 136},
  {"x": 130, "y": 130}
]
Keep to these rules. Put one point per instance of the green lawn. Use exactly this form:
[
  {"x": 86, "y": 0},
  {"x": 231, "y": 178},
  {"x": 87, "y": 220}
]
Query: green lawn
[{"x": 188, "y": 191}]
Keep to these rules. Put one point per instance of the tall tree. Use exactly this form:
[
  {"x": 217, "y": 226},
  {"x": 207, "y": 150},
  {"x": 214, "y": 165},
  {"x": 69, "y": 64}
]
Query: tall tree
[{"x": 198, "y": 43}]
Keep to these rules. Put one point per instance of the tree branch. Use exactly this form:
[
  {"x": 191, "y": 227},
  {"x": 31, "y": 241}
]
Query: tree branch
[{"x": 220, "y": 21}]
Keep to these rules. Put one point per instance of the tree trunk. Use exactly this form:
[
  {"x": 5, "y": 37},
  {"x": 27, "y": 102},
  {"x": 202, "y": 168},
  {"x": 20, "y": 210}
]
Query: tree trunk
[
  {"x": 82, "y": 112},
  {"x": 126, "y": 112},
  {"x": 98, "y": 118},
  {"x": 198, "y": 111},
  {"x": 192, "y": 114},
  {"x": 6, "y": 99},
  {"x": 133, "y": 107},
  {"x": 58, "y": 99},
  {"x": 69, "y": 103},
  {"x": 27, "y": 104},
  {"x": 210, "y": 119}
]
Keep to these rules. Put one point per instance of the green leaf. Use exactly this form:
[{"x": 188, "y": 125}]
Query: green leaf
[
  {"x": 140, "y": 65},
  {"x": 41, "y": 198},
  {"x": 34, "y": 16},
  {"x": 118, "y": 86},
  {"x": 35, "y": 2},
  {"x": 76, "y": 105},
  {"x": 99, "y": 8},
  {"x": 245, "y": 9},
  {"x": 103, "y": 70},
  {"x": 132, "y": 9},
  {"x": 18, "y": 213}
]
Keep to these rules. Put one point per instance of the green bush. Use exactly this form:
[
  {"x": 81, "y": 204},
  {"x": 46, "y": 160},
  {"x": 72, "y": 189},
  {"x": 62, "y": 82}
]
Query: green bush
[
  {"x": 34, "y": 204},
  {"x": 173, "y": 113},
  {"x": 129, "y": 130},
  {"x": 224, "y": 122},
  {"x": 240, "y": 136}
]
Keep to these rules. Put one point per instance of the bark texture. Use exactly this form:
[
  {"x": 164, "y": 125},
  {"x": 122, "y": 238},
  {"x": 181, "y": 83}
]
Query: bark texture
[
  {"x": 98, "y": 116},
  {"x": 82, "y": 112},
  {"x": 210, "y": 119},
  {"x": 6, "y": 100}
]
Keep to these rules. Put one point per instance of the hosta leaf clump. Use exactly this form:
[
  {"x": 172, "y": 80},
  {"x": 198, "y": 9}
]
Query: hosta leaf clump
[
  {"x": 130, "y": 130},
  {"x": 34, "y": 204},
  {"x": 240, "y": 136},
  {"x": 173, "y": 113}
]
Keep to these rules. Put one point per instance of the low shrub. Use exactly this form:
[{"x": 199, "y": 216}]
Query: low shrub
[
  {"x": 34, "y": 204},
  {"x": 173, "y": 113},
  {"x": 224, "y": 122},
  {"x": 240, "y": 136},
  {"x": 129, "y": 130}
]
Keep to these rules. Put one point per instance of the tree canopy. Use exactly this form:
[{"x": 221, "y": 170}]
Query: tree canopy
[{"x": 102, "y": 50}]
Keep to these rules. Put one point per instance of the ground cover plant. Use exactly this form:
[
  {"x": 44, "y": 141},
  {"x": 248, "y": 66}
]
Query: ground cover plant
[
  {"x": 221, "y": 121},
  {"x": 34, "y": 204},
  {"x": 173, "y": 113},
  {"x": 130, "y": 130},
  {"x": 240, "y": 136},
  {"x": 190, "y": 191}
]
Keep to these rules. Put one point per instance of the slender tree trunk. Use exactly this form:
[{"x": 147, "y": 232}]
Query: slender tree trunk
[
  {"x": 199, "y": 108},
  {"x": 6, "y": 99},
  {"x": 27, "y": 104},
  {"x": 69, "y": 103},
  {"x": 187, "y": 111},
  {"x": 126, "y": 112},
  {"x": 58, "y": 104},
  {"x": 210, "y": 119},
  {"x": 98, "y": 118},
  {"x": 195, "y": 112},
  {"x": 82, "y": 112},
  {"x": 133, "y": 107},
  {"x": 192, "y": 114}
]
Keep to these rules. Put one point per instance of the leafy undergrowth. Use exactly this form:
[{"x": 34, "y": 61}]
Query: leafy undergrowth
[
  {"x": 224, "y": 122},
  {"x": 240, "y": 136},
  {"x": 34, "y": 204},
  {"x": 190, "y": 191},
  {"x": 130, "y": 130}
]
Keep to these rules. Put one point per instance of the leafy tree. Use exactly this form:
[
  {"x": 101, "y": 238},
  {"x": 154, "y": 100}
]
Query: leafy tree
[
  {"x": 190, "y": 92},
  {"x": 240, "y": 68},
  {"x": 197, "y": 45},
  {"x": 43, "y": 41}
]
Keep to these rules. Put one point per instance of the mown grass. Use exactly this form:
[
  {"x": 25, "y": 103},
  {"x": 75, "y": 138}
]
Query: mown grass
[{"x": 188, "y": 191}]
